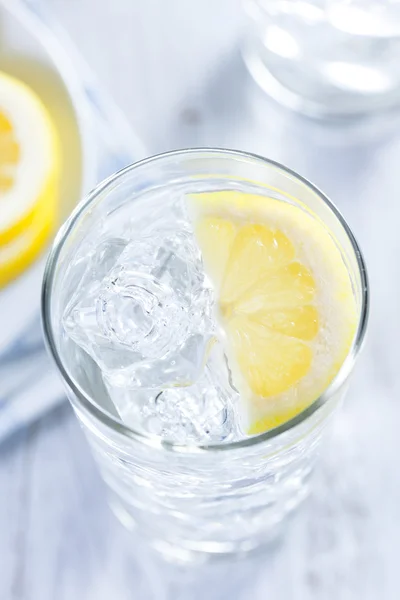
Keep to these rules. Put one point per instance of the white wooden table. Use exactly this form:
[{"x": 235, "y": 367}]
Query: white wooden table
[{"x": 174, "y": 67}]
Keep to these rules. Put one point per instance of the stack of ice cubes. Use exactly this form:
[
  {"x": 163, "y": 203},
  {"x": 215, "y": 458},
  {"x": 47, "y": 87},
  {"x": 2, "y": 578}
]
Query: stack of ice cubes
[{"x": 143, "y": 311}]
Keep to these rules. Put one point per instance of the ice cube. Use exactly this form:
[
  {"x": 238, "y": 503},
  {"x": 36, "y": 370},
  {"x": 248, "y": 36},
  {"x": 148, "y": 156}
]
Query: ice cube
[
  {"x": 92, "y": 263},
  {"x": 147, "y": 321},
  {"x": 200, "y": 413}
]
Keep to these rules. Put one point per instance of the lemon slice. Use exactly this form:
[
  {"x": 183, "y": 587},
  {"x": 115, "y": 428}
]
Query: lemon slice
[
  {"x": 29, "y": 165},
  {"x": 286, "y": 305}
]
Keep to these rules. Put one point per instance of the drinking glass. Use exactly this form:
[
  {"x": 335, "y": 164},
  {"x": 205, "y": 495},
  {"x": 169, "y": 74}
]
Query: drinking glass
[
  {"x": 325, "y": 57},
  {"x": 185, "y": 498}
]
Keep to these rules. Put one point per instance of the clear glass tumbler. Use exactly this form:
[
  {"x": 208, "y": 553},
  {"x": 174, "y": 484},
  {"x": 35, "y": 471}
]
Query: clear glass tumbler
[
  {"x": 218, "y": 498},
  {"x": 326, "y": 57}
]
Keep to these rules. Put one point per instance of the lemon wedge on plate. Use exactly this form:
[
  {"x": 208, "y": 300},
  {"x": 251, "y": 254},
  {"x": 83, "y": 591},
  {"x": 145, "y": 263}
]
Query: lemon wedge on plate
[
  {"x": 29, "y": 166},
  {"x": 285, "y": 301}
]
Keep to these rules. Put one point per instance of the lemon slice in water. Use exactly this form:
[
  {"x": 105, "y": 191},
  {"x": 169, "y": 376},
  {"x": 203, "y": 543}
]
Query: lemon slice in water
[
  {"x": 29, "y": 165},
  {"x": 286, "y": 306}
]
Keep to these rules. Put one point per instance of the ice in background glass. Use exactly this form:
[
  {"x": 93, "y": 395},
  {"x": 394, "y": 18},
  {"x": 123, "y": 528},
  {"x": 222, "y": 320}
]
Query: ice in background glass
[
  {"x": 326, "y": 57},
  {"x": 178, "y": 468}
]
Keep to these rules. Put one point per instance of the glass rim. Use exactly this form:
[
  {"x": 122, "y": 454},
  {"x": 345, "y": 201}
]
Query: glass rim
[{"x": 116, "y": 424}]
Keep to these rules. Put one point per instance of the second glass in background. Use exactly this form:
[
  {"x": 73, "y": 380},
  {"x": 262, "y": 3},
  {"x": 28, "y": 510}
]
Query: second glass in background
[{"x": 326, "y": 57}]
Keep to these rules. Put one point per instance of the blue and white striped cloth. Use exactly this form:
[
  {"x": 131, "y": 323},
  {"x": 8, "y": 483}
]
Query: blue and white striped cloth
[{"x": 30, "y": 385}]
